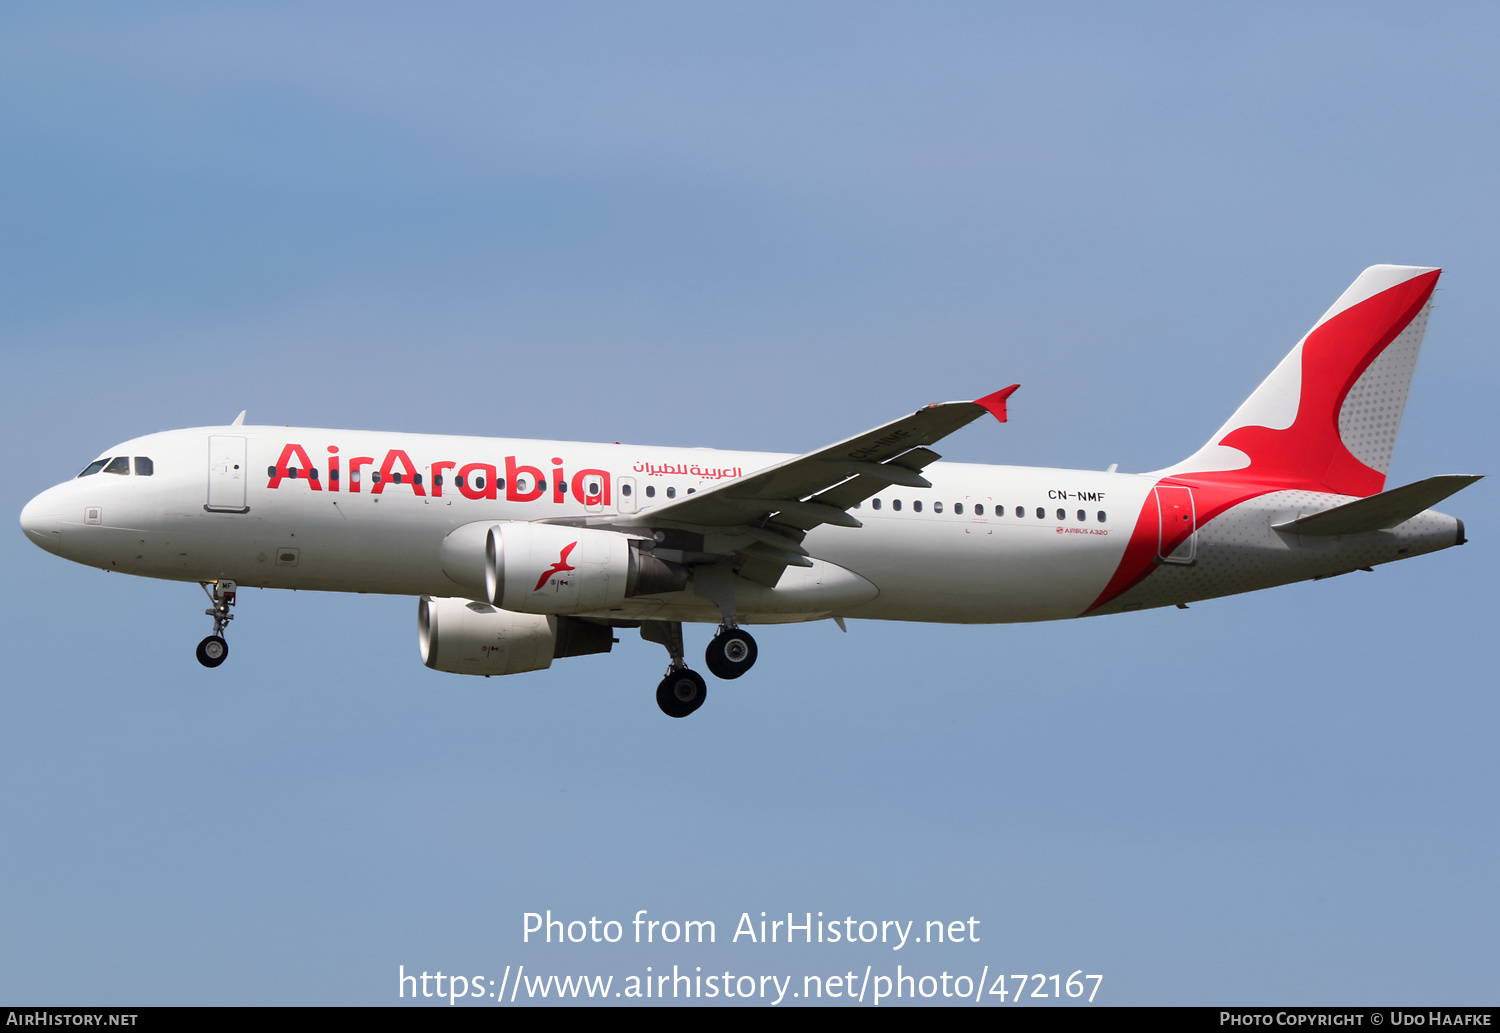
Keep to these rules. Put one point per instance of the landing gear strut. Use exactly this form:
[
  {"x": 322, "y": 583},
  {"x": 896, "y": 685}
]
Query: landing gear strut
[
  {"x": 682, "y": 691},
  {"x": 213, "y": 650},
  {"x": 731, "y": 653}
]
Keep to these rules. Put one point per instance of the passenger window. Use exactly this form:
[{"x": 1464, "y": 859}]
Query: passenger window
[
  {"x": 144, "y": 467},
  {"x": 437, "y": 479},
  {"x": 650, "y": 491},
  {"x": 416, "y": 479},
  {"x": 979, "y": 509},
  {"x": 937, "y": 507},
  {"x": 671, "y": 493},
  {"x": 396, "y": 477},
  {"x": 120, "y": 464},
  {"x": 459, "y": 480},
  {"x": 625, "y": 490},
  {"x": 312, "y": 474},
  {"x": 958, "y": 508},
  {"x": 1101, "y": 516},
  {"x": 374, "y": 476},
  {"x": 98, "y": 464},
  {"x": 1062, "y": 514},
  {"x": 896, "y": 505},
  {"x": 917, "y": 506},
  {"x": 270, "y": 471},
  {"x": 1082, "y": 515},
  {"x": 999, "y": 510},
  {"x": 541, "y": 485},
  {"x": 874, "y": 503},
  {"x": 691, "y": 490},
  {"x": 1020, "y": 511},
  {"x": 478, "y": 483},
  {"x": 291, "y": 472},
  {"x": 1041, "y": 514},
  {"x": 593, "y": 488}
]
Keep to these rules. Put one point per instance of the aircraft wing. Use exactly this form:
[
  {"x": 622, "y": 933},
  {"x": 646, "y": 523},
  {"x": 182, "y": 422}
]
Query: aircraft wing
[{"x": 763, "y": 517}]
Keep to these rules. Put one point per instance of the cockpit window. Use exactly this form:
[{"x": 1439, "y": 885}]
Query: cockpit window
[
  {"x": 94, "y": 467},
  {"x": 119, "y": 464},
  {"x": 144, "y": 467}
]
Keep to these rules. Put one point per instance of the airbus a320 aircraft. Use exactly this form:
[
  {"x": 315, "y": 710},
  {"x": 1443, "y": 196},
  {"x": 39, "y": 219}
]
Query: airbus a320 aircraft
[{"x": 522, "y": 552}]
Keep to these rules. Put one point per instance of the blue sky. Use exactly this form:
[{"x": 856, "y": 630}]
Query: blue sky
[{"x": 753, "y": 226}]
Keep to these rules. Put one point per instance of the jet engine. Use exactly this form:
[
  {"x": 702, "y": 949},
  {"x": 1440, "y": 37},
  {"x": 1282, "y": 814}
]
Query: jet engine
[
  {"x": 551, "y": 568},
  {"x": 464, "y": 637}
]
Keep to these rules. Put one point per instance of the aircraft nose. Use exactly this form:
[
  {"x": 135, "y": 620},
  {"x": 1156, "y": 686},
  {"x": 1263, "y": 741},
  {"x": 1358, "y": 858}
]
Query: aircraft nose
[{"x": 41, "y": 519}]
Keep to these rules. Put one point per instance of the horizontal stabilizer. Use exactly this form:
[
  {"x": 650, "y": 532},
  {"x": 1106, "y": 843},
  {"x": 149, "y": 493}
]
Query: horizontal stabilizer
[{"x": 1377, "y": 512}]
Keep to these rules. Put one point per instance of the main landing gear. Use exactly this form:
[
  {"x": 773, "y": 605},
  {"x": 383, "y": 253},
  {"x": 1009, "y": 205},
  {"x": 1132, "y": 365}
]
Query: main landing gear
[
  {"x": 731, "y": 653},
  {"x": 213, "y": 650},
  {"x": 682, "y": 691}
]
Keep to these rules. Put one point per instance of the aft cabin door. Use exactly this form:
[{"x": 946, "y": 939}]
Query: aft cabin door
[
  {"x": 226, "y": 475},
  {"x": 1178, "y": 534}
]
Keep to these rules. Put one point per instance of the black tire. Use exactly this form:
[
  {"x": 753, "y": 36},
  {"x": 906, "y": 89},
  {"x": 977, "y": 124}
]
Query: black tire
[
  {"x": 681, "y": 692},
  {"x": 731, "y": 653},
  {"x": 213, "y": 651}
]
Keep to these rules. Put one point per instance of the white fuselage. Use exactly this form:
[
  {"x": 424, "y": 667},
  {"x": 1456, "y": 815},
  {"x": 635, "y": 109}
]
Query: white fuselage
[{"x": 983, "y": 544}]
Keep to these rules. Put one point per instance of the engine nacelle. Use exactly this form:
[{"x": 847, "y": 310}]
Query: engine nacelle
[{"x": 464, "y": 637}]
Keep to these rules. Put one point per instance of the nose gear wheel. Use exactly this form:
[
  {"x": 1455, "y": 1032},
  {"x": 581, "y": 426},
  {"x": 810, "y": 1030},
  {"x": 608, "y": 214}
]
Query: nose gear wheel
[{"x": 213, "y": 650}]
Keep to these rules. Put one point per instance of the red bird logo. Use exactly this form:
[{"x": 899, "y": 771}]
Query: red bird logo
[{"x": 558, "y": 567}]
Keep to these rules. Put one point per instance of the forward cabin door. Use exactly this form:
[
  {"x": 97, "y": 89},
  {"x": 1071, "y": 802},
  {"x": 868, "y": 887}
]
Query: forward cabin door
[
  {"x": 1178, "y": 533},
  {"x": 227, "y": 475}
]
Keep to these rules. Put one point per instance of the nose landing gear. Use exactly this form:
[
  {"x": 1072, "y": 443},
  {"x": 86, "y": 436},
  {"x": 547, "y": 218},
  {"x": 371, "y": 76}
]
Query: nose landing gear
[{"x": 213, "y": 650}]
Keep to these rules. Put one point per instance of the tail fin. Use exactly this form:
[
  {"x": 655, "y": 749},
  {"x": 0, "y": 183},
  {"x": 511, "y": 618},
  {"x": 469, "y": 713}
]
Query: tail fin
[{"x": 1326, "y": 418}]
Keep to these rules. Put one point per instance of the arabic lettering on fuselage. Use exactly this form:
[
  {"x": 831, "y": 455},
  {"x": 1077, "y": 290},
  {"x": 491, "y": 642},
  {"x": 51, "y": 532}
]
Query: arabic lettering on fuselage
[{"x": 707, "y": 473}]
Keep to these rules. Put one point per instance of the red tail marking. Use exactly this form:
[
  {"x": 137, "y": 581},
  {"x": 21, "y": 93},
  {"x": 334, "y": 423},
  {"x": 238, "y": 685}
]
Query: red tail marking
[
  {"x": 558, "y": 567},
  {"x": 1309, "y": 455}
]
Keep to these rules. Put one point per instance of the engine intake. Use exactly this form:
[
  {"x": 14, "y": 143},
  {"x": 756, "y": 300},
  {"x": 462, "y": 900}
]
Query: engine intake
[{"x": 464, "y": 637}]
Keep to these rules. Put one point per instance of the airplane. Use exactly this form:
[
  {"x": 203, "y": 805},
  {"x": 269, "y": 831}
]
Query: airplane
[{"x": 522, "y": 552}]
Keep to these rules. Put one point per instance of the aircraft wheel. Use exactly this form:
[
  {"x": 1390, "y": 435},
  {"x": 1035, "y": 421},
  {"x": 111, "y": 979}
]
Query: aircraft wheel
[
  {"x": 681, "y": 692},
  {"x": 731, "y": 653},
  {"x": 213, "y": 651}
]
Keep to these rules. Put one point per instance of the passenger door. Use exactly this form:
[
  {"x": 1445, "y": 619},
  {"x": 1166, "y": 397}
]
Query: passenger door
[{"x": 227, "y": 475}]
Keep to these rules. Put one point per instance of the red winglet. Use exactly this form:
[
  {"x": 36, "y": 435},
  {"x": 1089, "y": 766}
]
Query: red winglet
[{"x": 995, "y": 403}]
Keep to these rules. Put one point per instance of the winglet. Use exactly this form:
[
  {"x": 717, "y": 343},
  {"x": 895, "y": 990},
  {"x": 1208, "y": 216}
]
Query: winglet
[{"x": 995, "y": 403}]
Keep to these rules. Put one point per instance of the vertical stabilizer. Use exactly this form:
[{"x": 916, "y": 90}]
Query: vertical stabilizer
[{"x": 1327, "y": 416}]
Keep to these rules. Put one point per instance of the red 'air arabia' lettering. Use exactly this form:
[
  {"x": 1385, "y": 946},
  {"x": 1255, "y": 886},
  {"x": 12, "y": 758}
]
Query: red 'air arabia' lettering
[
  {"x": 393, "y": 457},
  {"x": 481, "y": 487},
  {"x": 558, "y": 567},
  {"x": 512, "y": 494},
  {"x": 293, "y": 457},
  {"x": 589, "y": 487}
]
